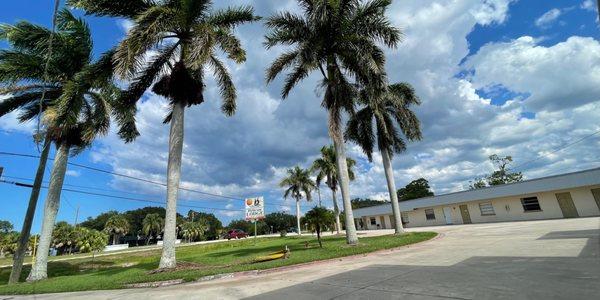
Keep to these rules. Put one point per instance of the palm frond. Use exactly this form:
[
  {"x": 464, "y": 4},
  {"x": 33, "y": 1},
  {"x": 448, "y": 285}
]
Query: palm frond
[
  {"x": 111, "y": 8},
  {"x": 226, "y": 86},
  {"x": 232, "y": 17}
]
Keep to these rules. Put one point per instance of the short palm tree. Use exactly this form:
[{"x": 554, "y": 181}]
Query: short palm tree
[
  {"x": 78, "y": 104},
  {"x": 152, "y": 225},
  {"x": 63, "y": 237},
  {"x": 116, "y": 226},
  {"x": 326, "y": 169},
  {"x": 318, "y": 219},
  {"x": 185, "y": 36},
  {"x": 193, "y": 230},
  {"x": 338, "y": 38},
  {"x": 390, "y": 109},
  {"x": 299, "y": 185}
]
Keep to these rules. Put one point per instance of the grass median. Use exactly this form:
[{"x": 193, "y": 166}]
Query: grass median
[{"x": 118, "y": 271}]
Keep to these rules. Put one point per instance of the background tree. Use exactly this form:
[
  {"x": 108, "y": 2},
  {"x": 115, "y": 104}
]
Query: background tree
[
  {"x": 99, "y": 222},
  {"x": 280, "y": 221},
  {"x": 63, "y": 237},
  {"x": 414, "y": 190},
  {"x": 326, "y": 169},
  {"x": 116, "y": 226},
  {"x": 214, "y": 224},
  {"x": 319, "y": 218},
  {"x": 8, "y": 243},
  {"x": 359, "y": 203},
  {"x": 192, "y": 231},
  {"x": 248, "y": 227},
  {"x": 187, "y": 36},
  {"x": 502, "y": 174},
  {"x": 152, "y": 225},
  {"x": 5, "y": 227},
  {"x": 389, "y": 108},
  {"x": 339, "y": 39},
  {"x": 90, "y": 240},
  {"x": 299, "y": 185}
]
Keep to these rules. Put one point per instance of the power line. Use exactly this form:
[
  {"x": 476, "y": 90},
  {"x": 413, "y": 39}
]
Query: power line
[
  {"x": 238, "y": 198},
  {"x": 119, "y": 197}
]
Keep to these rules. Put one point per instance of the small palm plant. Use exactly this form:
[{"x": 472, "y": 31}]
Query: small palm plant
[
  {"x": 116, "y": 226},
  {"x": 152, "y": 225},
  {"x": 390, "y": 109},
  {"x": 299, "y": 185},
  {"x": 318, "y": 219},
  {"x": 326, "y": 169},
  {"x": 79, "y": 102},
  {"x": 339, "y": 39},
  {"x": 183, "y": 39},
  {"x": 63, "y": 238}
]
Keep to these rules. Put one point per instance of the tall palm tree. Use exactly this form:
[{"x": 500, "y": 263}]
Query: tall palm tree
[
  {"x": 79, "y": 102},
  {"x": 390, "y": 109},
  {"x": 326, "y": 169},
  {"x": 117, "y": 226},
  {"x": 152, "y": 226},
  {"x": 340, "y": 39},
  {"x": 186, "y": 36},
  {"x": 299, "y": 185}
]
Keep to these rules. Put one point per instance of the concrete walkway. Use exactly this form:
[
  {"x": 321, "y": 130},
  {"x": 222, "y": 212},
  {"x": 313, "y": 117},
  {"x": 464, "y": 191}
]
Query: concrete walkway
[{"x": 551, "y": 259}]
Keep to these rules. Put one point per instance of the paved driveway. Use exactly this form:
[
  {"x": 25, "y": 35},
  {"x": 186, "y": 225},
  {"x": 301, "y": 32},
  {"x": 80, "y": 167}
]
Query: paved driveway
[{"x": 552, "y": 259}]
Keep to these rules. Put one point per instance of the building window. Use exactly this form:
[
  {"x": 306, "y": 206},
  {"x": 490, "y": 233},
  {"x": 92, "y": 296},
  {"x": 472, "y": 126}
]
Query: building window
[
  {"x": 487, "y": 209},
  {"x": 531, "y": 204},
  {"x": 404, "y": 217},
  {"x": 373, "y": 221},
  {"x": 429, "y": 214}
]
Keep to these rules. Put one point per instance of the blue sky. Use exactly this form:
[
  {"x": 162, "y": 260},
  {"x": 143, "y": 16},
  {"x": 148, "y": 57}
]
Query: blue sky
[{"x": 449, "y": 55}]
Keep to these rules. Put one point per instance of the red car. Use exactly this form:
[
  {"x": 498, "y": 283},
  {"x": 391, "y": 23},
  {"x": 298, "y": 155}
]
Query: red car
[{"x": 235, "y": 234}]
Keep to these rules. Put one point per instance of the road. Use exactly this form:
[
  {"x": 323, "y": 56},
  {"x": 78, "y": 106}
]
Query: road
[{"x": 550, "y": 259}]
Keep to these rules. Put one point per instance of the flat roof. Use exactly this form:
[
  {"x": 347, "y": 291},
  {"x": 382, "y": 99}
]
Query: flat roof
[{"x": 544, "y": 184}]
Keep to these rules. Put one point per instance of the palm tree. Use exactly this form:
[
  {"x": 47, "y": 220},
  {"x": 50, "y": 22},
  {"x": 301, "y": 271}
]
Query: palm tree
[
  {"x": 326, "y": 169},
  {"x": 193, "y": 230},
  {"x": 79, "y": 102},
  {"x": 152, "y": 226},
  {"x": 340, "y": 39},
  {"x": 63, "y": 237},
  {"x": 117, "y": 226},
  {"x": 298, "y": 185},
  {"x": 186, "y": 35},
  {"x": 319, "y": 218},
  {"x": 390, "y": 109}
]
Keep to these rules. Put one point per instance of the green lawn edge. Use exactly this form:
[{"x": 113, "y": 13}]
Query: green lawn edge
[{"x": 119, "y": 270}]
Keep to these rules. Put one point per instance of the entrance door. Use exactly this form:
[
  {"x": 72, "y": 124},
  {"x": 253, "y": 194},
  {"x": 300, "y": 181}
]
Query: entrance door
[
  {"x": 464, "y": 211},
  {"x": 448, "y": 215},
  {"x": 596, "y": 193},
  {"x": 566, "y": 205},
  {"x": 382, "y": 221}
]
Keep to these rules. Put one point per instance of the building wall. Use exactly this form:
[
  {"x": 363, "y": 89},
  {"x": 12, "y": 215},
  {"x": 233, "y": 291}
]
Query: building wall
[{"x": 505, "y": 209}]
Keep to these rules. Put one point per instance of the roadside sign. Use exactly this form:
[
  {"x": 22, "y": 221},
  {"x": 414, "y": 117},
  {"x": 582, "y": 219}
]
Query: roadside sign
[{"x": 255, "y": 208}]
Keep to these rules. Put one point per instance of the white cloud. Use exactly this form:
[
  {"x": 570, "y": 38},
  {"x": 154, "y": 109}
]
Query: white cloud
[
  {"x": 73, "y": 173},
  {"x": 588, "y": 5},
  {"x": 548, "y": 18}
]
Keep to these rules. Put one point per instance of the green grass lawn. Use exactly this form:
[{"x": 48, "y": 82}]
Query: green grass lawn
[{"x": 115, "y": 271}]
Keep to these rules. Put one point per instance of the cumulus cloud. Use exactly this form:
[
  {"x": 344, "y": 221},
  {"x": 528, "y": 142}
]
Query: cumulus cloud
[
  {"x": 548, "y": 18},
  {"x": 588, "y": 5}
]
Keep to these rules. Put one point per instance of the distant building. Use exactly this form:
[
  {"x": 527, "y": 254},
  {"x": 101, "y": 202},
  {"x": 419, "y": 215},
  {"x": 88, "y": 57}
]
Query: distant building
[{"x": 569, "y": 195}]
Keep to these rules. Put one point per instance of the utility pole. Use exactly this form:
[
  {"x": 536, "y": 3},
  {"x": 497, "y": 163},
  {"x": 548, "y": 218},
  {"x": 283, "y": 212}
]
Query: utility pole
[
  {"x": 1, "y": 170},
  {"x": 598, "y": 9},
  {"x": 76, "y": 215}
]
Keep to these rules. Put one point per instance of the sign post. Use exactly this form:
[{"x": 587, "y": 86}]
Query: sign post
[{"x": 255, "y": 210}]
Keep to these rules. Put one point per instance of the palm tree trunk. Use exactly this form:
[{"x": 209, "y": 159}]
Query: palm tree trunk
[
  {"x": 336, "y": 211},
  {"x": 389, "y": 176},
  {"x": 351, "y": 236},
  {"x": 167, "y": 260},
  {"x": 319, "y": 236},
  {"x": 19, "y": 255},
  {"x": 335, "y": 131},
  {"x": 298, "y": 216},
  {"x": 39, "y": 270}
]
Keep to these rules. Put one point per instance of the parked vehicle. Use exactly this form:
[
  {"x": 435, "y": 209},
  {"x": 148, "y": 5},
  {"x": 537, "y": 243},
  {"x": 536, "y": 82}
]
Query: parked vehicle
[{"x": 235, "y": 234}]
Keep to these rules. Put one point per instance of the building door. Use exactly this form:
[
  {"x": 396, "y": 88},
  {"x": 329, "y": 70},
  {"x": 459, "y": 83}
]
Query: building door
[
  {"x": 464, "y": 211},
  {"x": 382, "y": 221},
  {"x": 566, "y": 205},
  {"x": 596, "y": 193},
  {"x": 448, "y": 215}
]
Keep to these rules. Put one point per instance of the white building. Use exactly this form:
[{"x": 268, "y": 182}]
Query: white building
[{"x": 569, "y": 195}]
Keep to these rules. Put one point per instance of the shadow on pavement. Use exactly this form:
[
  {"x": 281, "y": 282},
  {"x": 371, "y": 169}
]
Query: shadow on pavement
[{"x": 474, "y": 278}]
